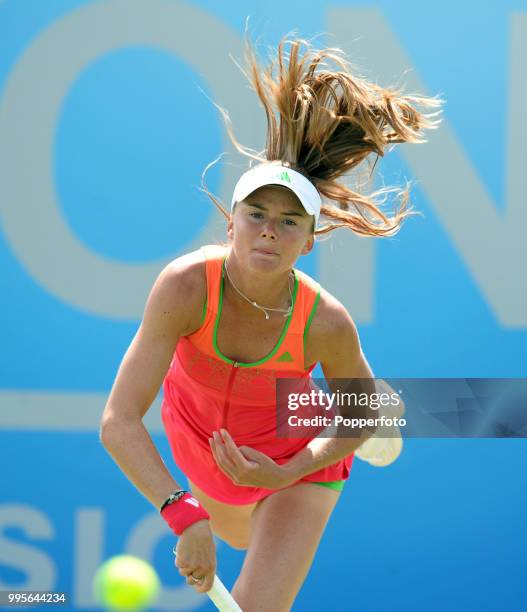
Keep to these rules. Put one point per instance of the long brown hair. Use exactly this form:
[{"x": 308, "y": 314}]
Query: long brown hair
[{"x": 324, "y": 122}]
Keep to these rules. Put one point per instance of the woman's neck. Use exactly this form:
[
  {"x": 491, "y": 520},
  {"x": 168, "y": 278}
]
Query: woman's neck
[{"x": 266, "y": 289}]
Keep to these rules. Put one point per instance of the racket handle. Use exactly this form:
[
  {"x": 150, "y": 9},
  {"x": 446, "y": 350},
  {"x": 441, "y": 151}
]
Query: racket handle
[{"x": 221, "y": 598}]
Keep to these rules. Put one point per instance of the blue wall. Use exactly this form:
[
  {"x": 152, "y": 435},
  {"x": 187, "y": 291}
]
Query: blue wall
[{"x": 105, "y": 128}]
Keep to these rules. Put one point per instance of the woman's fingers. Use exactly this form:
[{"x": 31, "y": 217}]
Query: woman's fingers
[
  {"x": 198, "y": 576},
  {"x": 201, "y": 581},
  {"x": 230, "y": 455},
  {"x": 221, "y": 460},
  {"x": 221, "y": 454},
  {"x": 229, "y": 458},
  {"x": 234, "y": 452}
]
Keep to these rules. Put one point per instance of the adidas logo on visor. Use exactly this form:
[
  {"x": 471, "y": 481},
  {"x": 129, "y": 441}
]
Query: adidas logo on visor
[{"x": 283, "y": 176}]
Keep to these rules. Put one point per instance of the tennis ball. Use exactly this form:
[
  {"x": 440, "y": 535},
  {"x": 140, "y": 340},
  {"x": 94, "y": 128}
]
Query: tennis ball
[{"x": 126, "y": 583}]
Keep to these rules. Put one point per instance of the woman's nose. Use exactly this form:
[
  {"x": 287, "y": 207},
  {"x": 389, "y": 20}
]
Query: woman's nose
[{"x": 268, "y": 230}]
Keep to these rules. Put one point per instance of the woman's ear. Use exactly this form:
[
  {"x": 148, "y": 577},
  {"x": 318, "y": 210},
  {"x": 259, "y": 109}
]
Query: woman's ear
[
  {"x": 230, "y": 223},
  {"x": 308, "y": 247}
]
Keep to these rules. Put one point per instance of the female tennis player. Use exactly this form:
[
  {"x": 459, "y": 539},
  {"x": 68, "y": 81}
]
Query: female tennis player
[{"x": 223, "y": 324}]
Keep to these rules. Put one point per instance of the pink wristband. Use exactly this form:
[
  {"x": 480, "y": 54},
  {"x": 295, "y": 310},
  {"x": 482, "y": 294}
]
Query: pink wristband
[{"x": 184, "y": 513}]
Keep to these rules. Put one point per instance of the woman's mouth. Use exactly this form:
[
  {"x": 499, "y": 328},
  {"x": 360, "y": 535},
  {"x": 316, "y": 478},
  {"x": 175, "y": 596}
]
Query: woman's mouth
[{"x": 265, "y": 252}]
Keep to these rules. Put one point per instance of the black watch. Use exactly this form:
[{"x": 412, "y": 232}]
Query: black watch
[{"x": 174, "y": 497}]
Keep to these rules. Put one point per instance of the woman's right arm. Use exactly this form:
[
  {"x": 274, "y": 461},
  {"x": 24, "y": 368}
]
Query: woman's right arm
[
  {"x": 167, "y": 316},
  {"x": 170, "y": 312}
]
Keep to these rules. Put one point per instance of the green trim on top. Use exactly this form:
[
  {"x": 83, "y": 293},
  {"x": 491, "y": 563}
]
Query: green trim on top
[
  {"x": 311, "y": 315},
  {"x": 278, "y": 344},
  {"x": 204, "y": 312}
]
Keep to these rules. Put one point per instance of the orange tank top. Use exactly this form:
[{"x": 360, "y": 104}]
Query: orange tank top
[{"x": 204, "y": 390}]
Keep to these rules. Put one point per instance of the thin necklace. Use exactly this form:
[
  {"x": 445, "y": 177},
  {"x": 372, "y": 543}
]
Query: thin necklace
[{"x": 265, "y": 309}]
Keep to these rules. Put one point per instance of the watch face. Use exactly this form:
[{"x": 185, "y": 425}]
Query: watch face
[{"x": 176, "y": 496}]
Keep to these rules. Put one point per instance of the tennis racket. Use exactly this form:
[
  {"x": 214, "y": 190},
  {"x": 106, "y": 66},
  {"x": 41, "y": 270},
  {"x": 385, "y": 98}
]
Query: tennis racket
[{"x": 221, "y": 598}]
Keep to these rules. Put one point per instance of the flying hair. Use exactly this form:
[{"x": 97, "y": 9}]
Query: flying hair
[{"x": 324, "y": 120}]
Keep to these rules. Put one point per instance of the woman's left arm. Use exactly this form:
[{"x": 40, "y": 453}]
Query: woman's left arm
[{"x": 343, "y": 362}]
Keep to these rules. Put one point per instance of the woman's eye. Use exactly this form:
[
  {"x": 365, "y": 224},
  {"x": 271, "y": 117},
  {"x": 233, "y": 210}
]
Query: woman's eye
[{"x": 259, "y": 215}]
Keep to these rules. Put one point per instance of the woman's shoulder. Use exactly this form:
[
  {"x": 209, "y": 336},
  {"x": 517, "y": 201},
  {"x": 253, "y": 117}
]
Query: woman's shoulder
[
  {"x": 307, "y": 280},
  {"x": 184, "y": 283},
  {"x": 331, "y": 321},
  {"x": 187, "y": 270},
  {"x": 328, "y": 309}
]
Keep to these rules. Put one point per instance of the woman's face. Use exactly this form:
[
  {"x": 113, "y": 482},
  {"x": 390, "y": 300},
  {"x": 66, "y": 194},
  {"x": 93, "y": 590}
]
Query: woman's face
[{"x": 270, "y": 229}]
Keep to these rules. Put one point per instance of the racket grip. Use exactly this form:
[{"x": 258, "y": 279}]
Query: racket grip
[{"x": 221, "y": 598}]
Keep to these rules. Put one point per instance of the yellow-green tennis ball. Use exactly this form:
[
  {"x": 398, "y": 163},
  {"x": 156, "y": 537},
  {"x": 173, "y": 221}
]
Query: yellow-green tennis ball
[{"x": 126, "y": 583}]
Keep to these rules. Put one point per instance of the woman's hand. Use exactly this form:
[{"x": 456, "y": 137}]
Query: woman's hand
[
  {"x": 246, "y": 466},
  {"x": 386, "y": 444},
  {"x": 196, "y": 556}
]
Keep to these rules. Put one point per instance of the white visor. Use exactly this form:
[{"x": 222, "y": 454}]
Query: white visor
[{"x": 275, "y": 174}]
